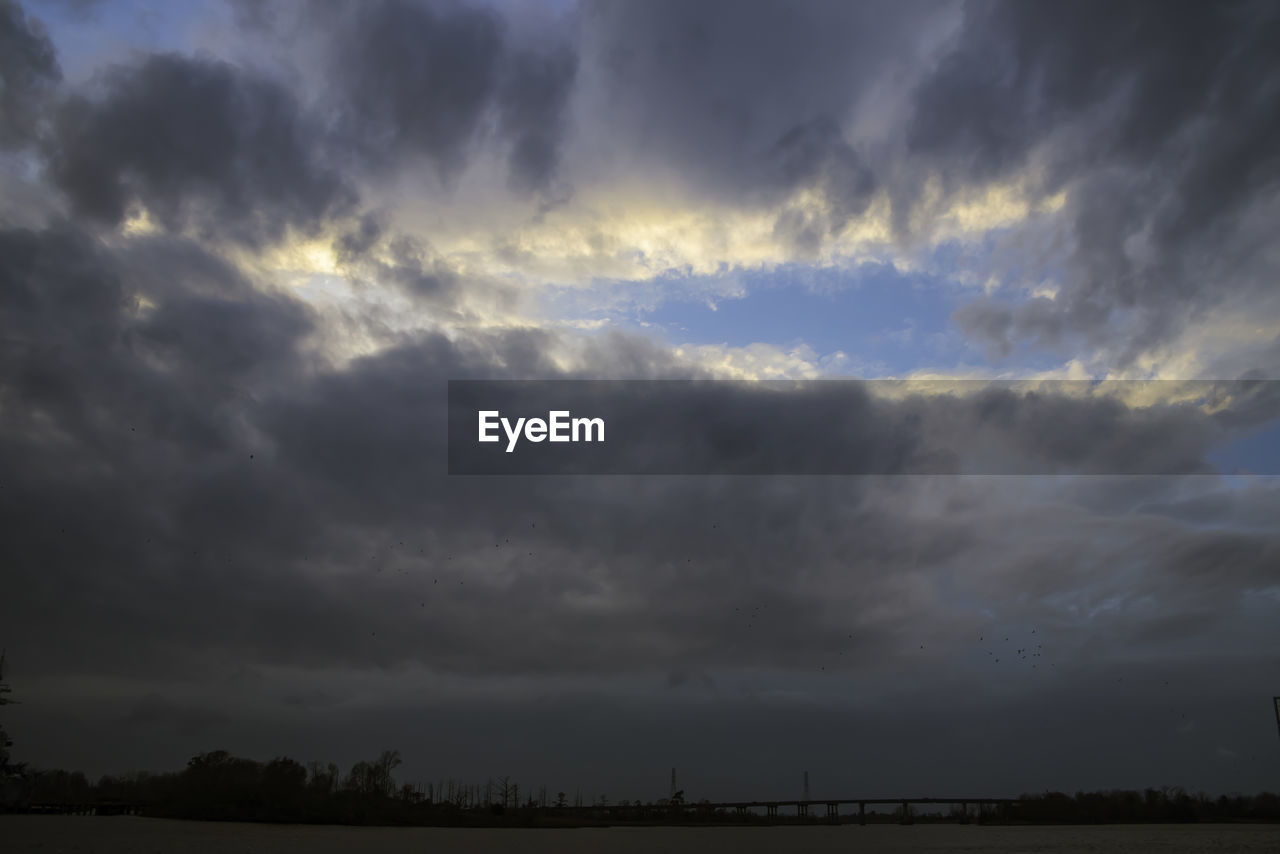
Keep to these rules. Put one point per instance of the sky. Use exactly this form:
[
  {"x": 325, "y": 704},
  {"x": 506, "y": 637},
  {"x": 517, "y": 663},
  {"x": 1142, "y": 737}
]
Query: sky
[{"x": 244, "y": 245}]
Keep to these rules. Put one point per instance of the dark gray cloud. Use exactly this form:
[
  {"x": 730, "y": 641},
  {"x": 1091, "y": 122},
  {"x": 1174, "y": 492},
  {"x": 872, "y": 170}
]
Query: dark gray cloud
[
  {"x": 415, "y": 80},
  {"x": 155, "y": 710},
  {"x": 1159, "y": 120},
  {"x": 1017, "y": 75},
  {"x": 816, "y": 153},
  {"x": 746, "y": 101},
  {"x": 198, "y": 143},
  {"x": 419, "y": 84},
  {"x": 533, "y": 99},
  {"x": 28, "y": 72},
  {"x": 254, "y": 14}
]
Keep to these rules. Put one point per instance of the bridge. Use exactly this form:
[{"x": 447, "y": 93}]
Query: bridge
[{"x": 802, "y": 807}]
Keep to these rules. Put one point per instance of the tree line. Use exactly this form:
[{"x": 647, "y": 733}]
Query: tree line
[
  {"x": 1167, "y": 804},
  {"x": 221, "y": 787},
  {"x": 218, "y": 786}
]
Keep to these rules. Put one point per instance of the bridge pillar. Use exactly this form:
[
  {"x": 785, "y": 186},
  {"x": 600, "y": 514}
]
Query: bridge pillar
[
  {"x": 906, "y": 813},
  {"x": 964, "y": 812},
  {"x": 802, "y": 809},
  {"x": 862, "y": 812},
  {"x": 771, "y": 810},
  {"x": 833, "y": 812}
]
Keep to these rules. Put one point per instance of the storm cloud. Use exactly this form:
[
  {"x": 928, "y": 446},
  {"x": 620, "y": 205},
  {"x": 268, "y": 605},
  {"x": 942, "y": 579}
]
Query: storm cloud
[
  {"x": 28, "y": 71},
  {"x": 195, "y": 143},
  {"x": 1162, "y": 126}
]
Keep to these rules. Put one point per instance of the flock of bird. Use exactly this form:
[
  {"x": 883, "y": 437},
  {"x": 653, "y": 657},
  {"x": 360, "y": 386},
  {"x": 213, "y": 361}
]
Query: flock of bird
[{"x": 1026, "y": 653}]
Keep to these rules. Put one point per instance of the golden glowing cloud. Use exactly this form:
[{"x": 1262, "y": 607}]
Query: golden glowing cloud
[{"x": 639, "y": 232}]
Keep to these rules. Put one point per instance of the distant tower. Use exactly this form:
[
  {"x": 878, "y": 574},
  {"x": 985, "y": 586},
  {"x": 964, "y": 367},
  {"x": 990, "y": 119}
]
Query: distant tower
[
  {"x": 5, "y": 743},
  {"x": 673, "y": 784},
  {"x": 4, "y": 686},
  {"x": 806, "y": 785},
  {"x": 1275, "y": 701}
]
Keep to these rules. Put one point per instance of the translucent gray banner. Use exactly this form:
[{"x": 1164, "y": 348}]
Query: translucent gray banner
[{"x": 861, "y": 427}]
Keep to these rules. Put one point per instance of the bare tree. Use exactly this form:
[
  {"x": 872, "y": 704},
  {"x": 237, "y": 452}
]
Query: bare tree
[
  {"x": 383, "y": 782},
  {"x": 504, "y": 791}
]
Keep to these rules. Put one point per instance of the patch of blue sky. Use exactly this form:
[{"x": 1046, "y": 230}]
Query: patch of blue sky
[
  {"x": 886, "y": 321},
  {"x": 871, "y": 313},
  {"x": 87, "y": 35},
  {"x": 882, "y": 319}
]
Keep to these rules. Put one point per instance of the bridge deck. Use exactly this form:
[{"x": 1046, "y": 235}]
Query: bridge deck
[{"x": 786, "y": 802}]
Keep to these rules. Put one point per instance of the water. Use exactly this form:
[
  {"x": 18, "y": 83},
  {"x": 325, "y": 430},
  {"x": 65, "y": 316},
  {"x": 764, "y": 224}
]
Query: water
[{"x": 118, "y": 835}]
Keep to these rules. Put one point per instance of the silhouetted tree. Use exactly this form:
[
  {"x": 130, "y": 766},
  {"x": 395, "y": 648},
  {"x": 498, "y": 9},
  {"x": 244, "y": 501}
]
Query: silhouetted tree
[
  {"x": 284, "y": 784},
  {"x": 359, "y": 778},
  {"x": 387, "y": 762},
  {"x": 60, "y": 787},
  {"x": 324, "y": 778}
]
